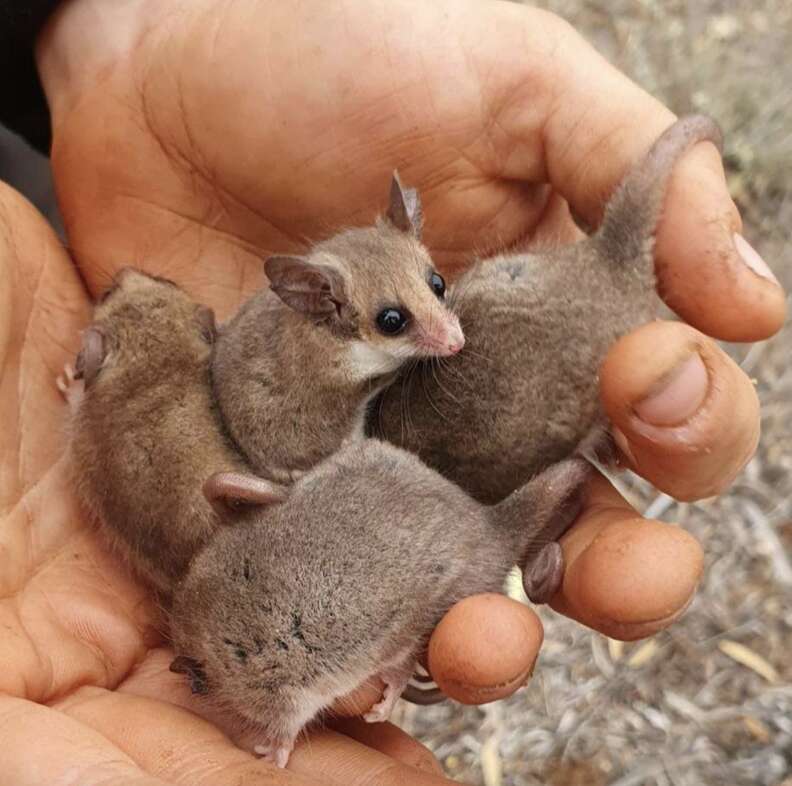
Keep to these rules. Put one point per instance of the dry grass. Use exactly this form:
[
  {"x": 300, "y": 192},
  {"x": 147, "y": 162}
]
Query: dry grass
[{"x": 709, "y": 701}]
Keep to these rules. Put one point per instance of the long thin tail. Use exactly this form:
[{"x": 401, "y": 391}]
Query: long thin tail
[{"x": 632, "y": 213}]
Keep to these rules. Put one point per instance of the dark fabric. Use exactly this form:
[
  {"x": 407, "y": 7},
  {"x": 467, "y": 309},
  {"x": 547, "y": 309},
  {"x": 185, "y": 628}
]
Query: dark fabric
[{"x": 22, "y": 105}]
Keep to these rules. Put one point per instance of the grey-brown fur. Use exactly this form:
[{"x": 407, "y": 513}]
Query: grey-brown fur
[
  {"x": 294, "y": 370},
  {"x": 524, "y": 392},
  {"x": 300, "y": 602},
  {"x": 145, "y": 434}
]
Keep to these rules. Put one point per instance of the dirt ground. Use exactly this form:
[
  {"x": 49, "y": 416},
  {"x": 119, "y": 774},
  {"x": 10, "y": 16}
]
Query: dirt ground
[{"x": 710, "y": 701}]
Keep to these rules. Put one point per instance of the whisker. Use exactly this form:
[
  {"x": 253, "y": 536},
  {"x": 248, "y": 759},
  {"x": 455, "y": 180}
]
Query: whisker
[
  {"x": 466, "y": 351},
  {"x": 437, "y": 375}
]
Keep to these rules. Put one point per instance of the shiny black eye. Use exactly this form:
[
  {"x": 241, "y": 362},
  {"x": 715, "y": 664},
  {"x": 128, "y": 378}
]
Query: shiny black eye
[
  {"x": 437, "y": 283},
  {"x": 391, "y": 321}
]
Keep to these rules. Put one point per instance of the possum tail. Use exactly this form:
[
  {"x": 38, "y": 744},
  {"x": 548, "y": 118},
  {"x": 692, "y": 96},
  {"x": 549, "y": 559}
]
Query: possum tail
[
  {"x": 536, "y": 515},
  {"x": 632, "y": 213},
  {"x": 540, "y": 512}
]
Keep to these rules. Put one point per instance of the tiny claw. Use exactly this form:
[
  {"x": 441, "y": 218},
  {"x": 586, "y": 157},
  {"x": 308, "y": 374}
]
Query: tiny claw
[
  {"x": 395, "y": 682},
  {"x": 277, "y": 754},
  {"x": 70, "y": 386},
  {"x": 66, "y": 379}
]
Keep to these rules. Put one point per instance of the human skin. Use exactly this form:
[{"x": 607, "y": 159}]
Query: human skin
[{"x": 194, "y": 139}]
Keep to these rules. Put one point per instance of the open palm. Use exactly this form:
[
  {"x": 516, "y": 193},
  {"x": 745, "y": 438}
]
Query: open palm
[{"x": 86, "y": 690}]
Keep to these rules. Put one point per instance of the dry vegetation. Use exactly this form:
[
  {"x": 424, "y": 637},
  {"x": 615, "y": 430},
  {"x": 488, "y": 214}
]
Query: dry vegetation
[{"x": 710, "y": 701}]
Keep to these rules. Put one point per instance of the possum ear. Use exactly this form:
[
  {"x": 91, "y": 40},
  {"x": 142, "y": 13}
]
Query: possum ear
[
  {"x": 205, "y": 318},
  {"x": 544, "y": 575},
  {"x": 194, "y": 671},
  {"x": 315, "y": 290},
  {"x": 231, "y": 492},
  {"x": 91, "y": 355},
  {"x": 404, "y": 210}
]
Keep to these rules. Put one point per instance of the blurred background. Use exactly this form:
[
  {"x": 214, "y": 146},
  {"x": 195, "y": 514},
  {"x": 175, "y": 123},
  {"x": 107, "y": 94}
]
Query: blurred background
[{"x": 710, "y": 701}]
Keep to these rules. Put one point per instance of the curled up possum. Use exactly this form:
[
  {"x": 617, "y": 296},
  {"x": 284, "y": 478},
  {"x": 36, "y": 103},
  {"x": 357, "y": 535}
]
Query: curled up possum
[
  {"x": 523, "y": 393},
  {"x": 341, "y": 577},
  {"x": 144, "y": 433},
  {"x": 295, "y": 370}
]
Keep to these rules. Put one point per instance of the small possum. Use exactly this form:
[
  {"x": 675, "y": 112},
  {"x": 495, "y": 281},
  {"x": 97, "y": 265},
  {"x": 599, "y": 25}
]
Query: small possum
[
  {"x": 144, "y": 432},
  {"x": 295, "y": 369},
  {"x": 524, "y": 394},
  {"x": 342, "y": 576}
]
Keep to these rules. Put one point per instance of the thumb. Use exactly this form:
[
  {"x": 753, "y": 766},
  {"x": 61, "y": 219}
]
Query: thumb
[
  {"x": 595, "y": 124},
  {"x": 685, "y": 416}
]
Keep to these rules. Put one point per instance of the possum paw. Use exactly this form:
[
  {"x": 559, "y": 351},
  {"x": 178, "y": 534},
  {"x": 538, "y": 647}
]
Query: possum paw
[
  {"x": 395, "y": 683},
  {"x": 71, "y": 389},
  {"x": 276, "y": 752}
]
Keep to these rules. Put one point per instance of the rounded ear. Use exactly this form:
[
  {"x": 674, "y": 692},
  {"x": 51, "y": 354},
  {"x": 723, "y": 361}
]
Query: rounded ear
[
  {"x": 315, "y": 290},
  {"x": 91, "y": 355},
  {"x": 404, "y": 210},
  {"x": 230, "y": 492},
  {"x": 205, "y": 318}
]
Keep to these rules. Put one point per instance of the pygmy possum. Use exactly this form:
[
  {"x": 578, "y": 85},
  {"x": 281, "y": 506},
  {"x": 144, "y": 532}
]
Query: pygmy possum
[
  {"x": 524, "y": 392},
  {"x": 282, "y": 614},
  {"x": 144, "y": 433},
  {"x": 295, "y": 370}
]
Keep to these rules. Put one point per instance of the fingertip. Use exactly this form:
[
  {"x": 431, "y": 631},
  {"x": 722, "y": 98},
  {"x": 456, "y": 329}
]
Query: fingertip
[
  {"x": 626, "y": 576},
  {"x": 485, "y": 648},
  {"x": 685, "y": 416},
  {"x": 707, "y": 272},
  {"x": 392, "y": 741},
  {"x": 635, "y": 578}
]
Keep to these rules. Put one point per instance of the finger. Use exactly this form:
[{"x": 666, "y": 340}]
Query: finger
[
  {"x": 337, "y": 759},
  {"x": 40, "y": 745},
  {"x": 171, "y": 743},
  {"x": 42, "y": 306},
  {"x": 391, "y": 741},
  {"x": 686, "y": 416},
  {"x": 626, "y": 576},
  {"x": 484, "y": 648},
  {"x": 595, "y": 124},
  {"x": 153, "y": 679}
]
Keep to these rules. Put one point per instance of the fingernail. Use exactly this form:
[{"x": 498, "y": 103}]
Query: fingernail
[
  {"x": 529, "y": 675},
  {"x": 677, "y": 395},
  {"x": 751, "y": 258}
]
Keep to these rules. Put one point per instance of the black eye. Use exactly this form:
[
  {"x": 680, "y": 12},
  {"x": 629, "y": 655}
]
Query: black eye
[
  {"x": 437, "y": 283},
  {"x": 391, "y": 321}
]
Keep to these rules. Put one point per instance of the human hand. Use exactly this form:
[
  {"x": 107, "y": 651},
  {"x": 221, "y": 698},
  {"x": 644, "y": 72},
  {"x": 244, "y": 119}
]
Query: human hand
[
  {"x": 86, "y": 695},
  {"x": 195, "y": 139}
]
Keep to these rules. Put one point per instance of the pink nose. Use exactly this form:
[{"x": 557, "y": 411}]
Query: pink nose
[
  {"x": 455, "y": 341},
  {"x": 455, "y": 346}
]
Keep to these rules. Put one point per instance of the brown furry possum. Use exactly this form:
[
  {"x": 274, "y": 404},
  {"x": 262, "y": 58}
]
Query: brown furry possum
[
  {"x": 342, "y": 576},
  {"x": 144, "y": 432},
  {"x": 296, "y": 368},
  {"x": 523, "y": 393}
]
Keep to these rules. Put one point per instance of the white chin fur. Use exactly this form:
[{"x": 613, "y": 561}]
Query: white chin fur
[{"x": 366, "y": 361}]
